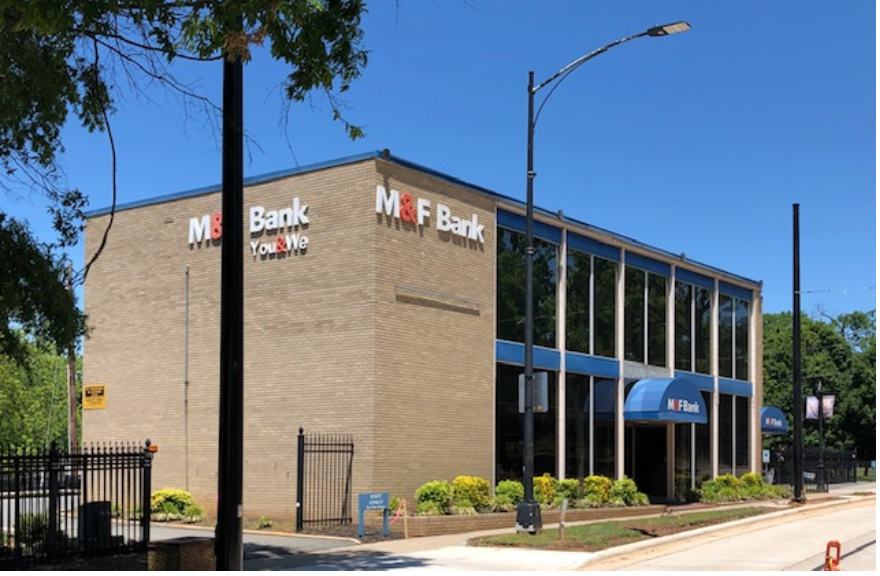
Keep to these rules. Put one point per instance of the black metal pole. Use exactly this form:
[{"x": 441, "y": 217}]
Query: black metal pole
[
  {"x": 228, "y": 542},
  {"x": 300, "y": 477},
  {"x": 528, "y": 513},
  {"x": 798, "y": 404},
  {"x": 820, "y": 472}
]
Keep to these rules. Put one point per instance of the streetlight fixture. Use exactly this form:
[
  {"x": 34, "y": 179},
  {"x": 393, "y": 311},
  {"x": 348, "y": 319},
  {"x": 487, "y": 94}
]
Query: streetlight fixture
[{"x": 528, "y": 513}]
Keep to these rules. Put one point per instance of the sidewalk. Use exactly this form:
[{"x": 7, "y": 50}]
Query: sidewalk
[{"x": 451, "y": 552}]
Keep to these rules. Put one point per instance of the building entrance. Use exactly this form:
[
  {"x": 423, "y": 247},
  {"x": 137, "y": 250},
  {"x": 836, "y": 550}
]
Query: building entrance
[{"x": 646, "y": 459}]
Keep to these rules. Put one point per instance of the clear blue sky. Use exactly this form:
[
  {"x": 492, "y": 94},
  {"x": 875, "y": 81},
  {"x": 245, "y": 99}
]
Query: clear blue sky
[{"x": 696, "y": 143}]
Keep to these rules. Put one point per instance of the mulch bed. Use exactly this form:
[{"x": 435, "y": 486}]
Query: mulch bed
[
  {"x": 351, "y": 531},
  {"x": 117, "y": 562}
]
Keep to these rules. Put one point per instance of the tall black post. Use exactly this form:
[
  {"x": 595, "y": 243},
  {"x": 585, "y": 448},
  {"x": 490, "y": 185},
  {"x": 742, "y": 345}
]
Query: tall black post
[
  {"x": 528, "y": 513},
  {"x": 820, "y": 471},
  {"x": 798, "y": 404},
  {"x": 228, "y": 543}
]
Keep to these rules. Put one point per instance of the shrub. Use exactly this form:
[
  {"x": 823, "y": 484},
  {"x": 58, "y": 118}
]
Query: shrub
[
  {"x": 430, "y": 509},
  {"x": 463, "y": 510},
  {"x": 193, "y": 513},
  {"x": 751, "y": 486},
  {"x": 502, "y": 504},
  {"x": 34, "y": 529},
  {"x": 568, "y": 488},
  {"x": 510, "y": 492},
  {"x": 725, "y": 488},
  {"x": 438, "y": 493},
  {"x": 597, "y": 488},
  {"x": 625, "y": 491},
  {"x": 470, "y": 491},
  {"x": 177, "y": 499},
  {"x": 545, "y": 489},
  {"x": 393, "y": 505},
  {"x": 265, "y": 522}
]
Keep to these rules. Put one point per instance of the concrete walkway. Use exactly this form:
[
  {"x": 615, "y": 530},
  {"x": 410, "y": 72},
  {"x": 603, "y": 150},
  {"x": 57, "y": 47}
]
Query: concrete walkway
[{"x": 451, "y": 552}]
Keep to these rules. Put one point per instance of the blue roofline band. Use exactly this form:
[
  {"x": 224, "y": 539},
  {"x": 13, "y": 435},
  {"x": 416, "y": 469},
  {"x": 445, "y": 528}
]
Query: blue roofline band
[{"x": 384, "y": 155}]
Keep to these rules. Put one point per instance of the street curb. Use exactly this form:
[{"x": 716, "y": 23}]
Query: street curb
[
  {"x": 663, "y": 540},
  {"x": 265, "y": 533}
]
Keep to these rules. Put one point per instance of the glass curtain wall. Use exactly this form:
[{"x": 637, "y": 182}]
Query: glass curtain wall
[
  {"x": 703, "y": 444},
  {"x": 578, "y": 425},
  {"x": 590, "y": 297},
  {"x": 741, "y": 416},
  {"x": 725, "y": 434},
  {"x": 645, "y": 317},
  {"x": 683, "y": 435},
  {"x": 511, "y": 289},
  {"x": 733, "y": 337},
  {"x": 509, "y": 427},
  {"x": 693, "y": 328}
]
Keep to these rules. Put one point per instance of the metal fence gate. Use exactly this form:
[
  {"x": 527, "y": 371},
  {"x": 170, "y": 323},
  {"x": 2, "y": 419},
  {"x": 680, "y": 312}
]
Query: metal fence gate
[
  {"x": 56, "y": 504},
  {"x": 839, "y": 466},
  {"x": 323, "y": 479}
]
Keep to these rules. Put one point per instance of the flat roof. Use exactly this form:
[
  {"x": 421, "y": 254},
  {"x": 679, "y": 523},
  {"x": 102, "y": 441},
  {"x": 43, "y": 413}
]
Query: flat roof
[{"x": 388, "y": 157}]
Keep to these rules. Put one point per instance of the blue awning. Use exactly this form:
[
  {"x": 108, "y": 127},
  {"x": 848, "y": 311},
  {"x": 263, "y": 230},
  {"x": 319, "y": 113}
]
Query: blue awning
[
  {"x": 665, "y": 400},
  {"x": 773, "y": 420}
]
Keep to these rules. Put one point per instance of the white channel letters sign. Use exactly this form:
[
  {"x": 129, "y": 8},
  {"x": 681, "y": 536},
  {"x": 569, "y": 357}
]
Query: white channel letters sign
[
  {"x": 417, "y": 211},
  {"x": 286, "y": 222}
]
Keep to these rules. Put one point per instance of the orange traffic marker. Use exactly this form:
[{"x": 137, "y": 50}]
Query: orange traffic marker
[{"x": 832, "y": 564}]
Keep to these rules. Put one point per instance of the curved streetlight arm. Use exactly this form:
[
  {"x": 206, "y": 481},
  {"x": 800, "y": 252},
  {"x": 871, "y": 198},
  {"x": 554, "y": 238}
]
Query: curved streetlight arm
[{"x": 656, "y": 31}]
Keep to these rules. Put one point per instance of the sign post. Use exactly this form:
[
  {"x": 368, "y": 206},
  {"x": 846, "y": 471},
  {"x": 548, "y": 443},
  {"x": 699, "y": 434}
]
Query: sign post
[{"x": 374, "y": 501}]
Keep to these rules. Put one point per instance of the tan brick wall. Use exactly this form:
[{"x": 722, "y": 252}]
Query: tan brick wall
[
  {"x": 436, "y": 340},
  {"x": 331, "y": 341}
]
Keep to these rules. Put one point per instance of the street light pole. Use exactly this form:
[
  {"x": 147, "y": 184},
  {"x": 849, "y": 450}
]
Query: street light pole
[
  {"x": 820, "y": 472},
  {"x": 528, "y": 513}
]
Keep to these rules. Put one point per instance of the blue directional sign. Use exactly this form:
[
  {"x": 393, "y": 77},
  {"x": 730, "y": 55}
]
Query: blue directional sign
[{"x": 373, "y": 501}]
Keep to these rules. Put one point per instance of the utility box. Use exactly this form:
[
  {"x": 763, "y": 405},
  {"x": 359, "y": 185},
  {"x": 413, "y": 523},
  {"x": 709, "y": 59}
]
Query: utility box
[{"x": 93, "y": 522}]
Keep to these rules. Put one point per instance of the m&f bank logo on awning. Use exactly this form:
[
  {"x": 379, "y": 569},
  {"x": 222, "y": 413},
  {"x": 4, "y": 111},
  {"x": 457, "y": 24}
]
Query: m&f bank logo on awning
[
  {"x": 679, "y": 405},
  {"x": 260, "y": 221},
  {"x": 417, "y": 211}
]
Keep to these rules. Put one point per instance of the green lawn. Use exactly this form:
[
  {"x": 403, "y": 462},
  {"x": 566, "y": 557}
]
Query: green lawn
[{"x": 601, "y": 535}]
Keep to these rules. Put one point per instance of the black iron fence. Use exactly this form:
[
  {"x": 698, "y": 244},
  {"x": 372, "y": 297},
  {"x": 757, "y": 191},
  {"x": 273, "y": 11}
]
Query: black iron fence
[
  {"x": 323, "y": 479},
  {"x": 840, "y": 466},
  {"x": 56, "y": 504}
]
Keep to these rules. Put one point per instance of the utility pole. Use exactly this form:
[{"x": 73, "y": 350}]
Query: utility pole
[
  {"x": 72, "y": 432},
  {"x": 798, "y": 403},
  {"x": 228, "y": 543}
]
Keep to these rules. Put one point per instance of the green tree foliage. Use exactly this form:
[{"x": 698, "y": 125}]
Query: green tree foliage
[
  {"x": 841, "y": 353},
  {"x": 64, "y": 61},
  {"x": 32, "y": 295},
  {"x": 33, "y": 396}
]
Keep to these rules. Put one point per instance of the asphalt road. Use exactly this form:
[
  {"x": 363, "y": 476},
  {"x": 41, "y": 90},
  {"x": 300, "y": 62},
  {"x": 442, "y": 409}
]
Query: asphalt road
[{"x": 796, "y": 544}]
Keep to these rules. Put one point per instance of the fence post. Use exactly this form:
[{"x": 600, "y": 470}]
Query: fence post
[
  {"x": 17, "y": 510},
  {"x": 147, "y": 489},
  {"x": 300, "y": 477},
  {"x": 54, "y": 466}
]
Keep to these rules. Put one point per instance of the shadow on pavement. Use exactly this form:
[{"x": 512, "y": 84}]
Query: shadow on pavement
[{"x": 258, "y": 557}]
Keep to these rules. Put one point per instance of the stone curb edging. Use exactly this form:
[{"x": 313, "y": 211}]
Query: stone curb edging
[
  {"x": 636, "y": 546},
  {"x": 264, "y": 533}
]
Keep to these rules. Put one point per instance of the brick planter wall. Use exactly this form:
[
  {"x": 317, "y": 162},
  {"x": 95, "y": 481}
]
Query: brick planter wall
[{"x": 420, "y": 526}]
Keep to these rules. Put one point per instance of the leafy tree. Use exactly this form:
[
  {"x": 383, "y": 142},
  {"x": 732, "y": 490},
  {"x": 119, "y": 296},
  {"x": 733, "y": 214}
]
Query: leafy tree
[
  {"x": 33, "y": 396},
  {"x": 64, "y": 61},
  {"x": 842, "y": 355}
]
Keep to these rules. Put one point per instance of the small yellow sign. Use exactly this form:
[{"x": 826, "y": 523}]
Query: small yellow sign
[{"x": 95, "y": 397}]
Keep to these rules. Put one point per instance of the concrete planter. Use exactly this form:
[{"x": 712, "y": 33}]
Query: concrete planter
[{"x": 420, "y": 526}]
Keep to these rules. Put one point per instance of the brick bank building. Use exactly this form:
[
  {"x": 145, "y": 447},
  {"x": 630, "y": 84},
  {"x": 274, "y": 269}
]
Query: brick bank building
[{"x": 385, "y": 300}]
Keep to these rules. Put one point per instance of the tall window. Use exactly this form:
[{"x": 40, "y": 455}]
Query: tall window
[
  {"x": 684, "y": 308},
  {"x": 725, "y": 434},
  {"x": 578, "y": 425},
  {"x": 590, "y": 295},
  {"x": 693, "y": 326},
  {"x": 733, "y": 337},
  {"x": 509, "y": 427},
  {"x": 703, "y": 444},
  {"x": 703, "y": 330},
  {"x": 511, "y": 304},
  {"x": 645, "y": 317},
  {"x": 741, "y": 419}
]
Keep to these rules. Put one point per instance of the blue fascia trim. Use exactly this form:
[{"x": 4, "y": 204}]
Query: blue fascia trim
[
  {"x": 515, "y": 353},
  {"x": 250, "y": 181},
  {"x": 540, "y": 230},
  {"x": 690, "y": 277},
  {"x": 594, "y": 365},
  {"x": 735, "y": 387},
  {"x": 731, "y": 290},
  {"x": 591, "y": 246},
  {"x": 701, "y": 381},
  {"x": 648, "y": 264},
  {"x": 424, "y": 170}
]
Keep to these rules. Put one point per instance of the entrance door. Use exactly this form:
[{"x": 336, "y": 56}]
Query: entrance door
[{"x": 649, "y": 461}]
